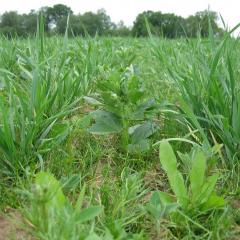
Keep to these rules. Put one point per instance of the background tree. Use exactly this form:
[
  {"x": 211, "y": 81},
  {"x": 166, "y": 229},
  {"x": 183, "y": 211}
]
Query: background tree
[
  {"x": 172, "y": 26},
  {"x": 166, "y": 25},
  {"x": 57, "y": 12},
  {"x": 206, "y": 17},
  {"x": 199, "y": 24},
  {"x": 87, "y": 24},
  {"x": 96, "y": 23},
  {"x": 120, "y": 30},
  {"x": 139, "y": 25},
  {"x": 11, "y": 24},
  {"x": 75, "y": 25},
  {"x": 169, "y": 25},
  {"x": 192, "y": 26},
  {"x": 29, "y": 23},
  {"x": 53, "y": 15}
]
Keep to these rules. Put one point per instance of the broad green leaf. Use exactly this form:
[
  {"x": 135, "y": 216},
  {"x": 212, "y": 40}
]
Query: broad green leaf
[
  {"x": 165, "y": 198},
  {"x": 51, "y": 189},
  {"x": 170, "y": 207},
  {"x": 154, "y": 207},
  {"x": 141, "y": 109},
  {"x": 161, "y": 204},
  {"x": 155, "y": 199},
  {"x": 93, "y": 236},
  {"x": 135, "y": 93},
  {"x": 133, "y": 128},
  {"x": 169, "y": 164},
  {"x": 105, "y": 123},
  {"x": 85, "y": 122},
  {"x": 88, "y": 214},
  {"x": 197, "y": 173},
  {"x": 154, "y": 210},
  {"x": 214, "y": 201},
  {"x": 167, "y": 158},
  {"x": 112, "y": 103},
  {"x": 92, "y": 101},
  {"x": 143, "y": 131},
  {"x": 141, "y": 146}
]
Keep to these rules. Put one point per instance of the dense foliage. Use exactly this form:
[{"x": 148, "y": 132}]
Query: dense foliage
[
  {"x": 119, "y": 138},
  {"x": 172, "y": 26},
  {"x": 56, "y": 18}
]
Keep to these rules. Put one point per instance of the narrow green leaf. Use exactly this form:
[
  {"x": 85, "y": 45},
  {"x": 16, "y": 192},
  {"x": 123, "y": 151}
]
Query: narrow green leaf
[
  {"x": 105, "y": 123},
  {"x": 79, "y": 202}
]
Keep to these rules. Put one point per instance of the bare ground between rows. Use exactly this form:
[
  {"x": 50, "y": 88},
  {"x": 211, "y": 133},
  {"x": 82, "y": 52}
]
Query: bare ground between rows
[{"x": 10, "y": 227}]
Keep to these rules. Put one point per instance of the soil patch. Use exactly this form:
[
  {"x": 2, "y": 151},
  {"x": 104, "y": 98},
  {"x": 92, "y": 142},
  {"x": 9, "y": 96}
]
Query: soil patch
[{"x": 10, "y": 227}]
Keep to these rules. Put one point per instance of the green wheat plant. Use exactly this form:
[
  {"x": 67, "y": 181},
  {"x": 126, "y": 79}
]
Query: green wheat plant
[
  {"x": 205, "y": 74},
  {"x": 39, "y": 90}
]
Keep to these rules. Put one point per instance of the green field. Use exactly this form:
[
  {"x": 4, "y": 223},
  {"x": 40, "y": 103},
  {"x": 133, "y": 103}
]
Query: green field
[{"x": 119, "y": 138}]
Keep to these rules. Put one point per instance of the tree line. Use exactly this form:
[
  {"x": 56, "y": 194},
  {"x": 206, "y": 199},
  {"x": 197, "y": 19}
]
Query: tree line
[{"x": 166, "y": 25}]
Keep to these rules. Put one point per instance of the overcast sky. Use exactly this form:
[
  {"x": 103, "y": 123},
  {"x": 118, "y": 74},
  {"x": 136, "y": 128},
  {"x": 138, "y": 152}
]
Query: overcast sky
[{"x": 127, "y": 10}]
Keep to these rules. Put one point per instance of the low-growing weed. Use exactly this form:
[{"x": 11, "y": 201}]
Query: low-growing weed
[
  {"x": 53, "y": 216},
  {"x": 124, "y": 108},
  {"x": 194, "y": 197}
]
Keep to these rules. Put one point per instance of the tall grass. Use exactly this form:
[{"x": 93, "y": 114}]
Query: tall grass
[
  {"x": 40, "y": 86},
  {"x": 42, "y": 82},
  {"x": 205, "y": 73}
]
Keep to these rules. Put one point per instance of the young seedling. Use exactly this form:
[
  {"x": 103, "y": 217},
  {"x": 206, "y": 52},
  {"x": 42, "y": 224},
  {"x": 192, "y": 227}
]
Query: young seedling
[
  {"x": 193, "y": 196},
  {"x": 198, "y": 192},
  {"x": 53, "y": 216},
  {"x": 124, "y": 108}
]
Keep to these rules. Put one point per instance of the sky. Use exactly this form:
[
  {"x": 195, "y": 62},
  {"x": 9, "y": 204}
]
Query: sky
[{"x": 127, "y": 10}]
